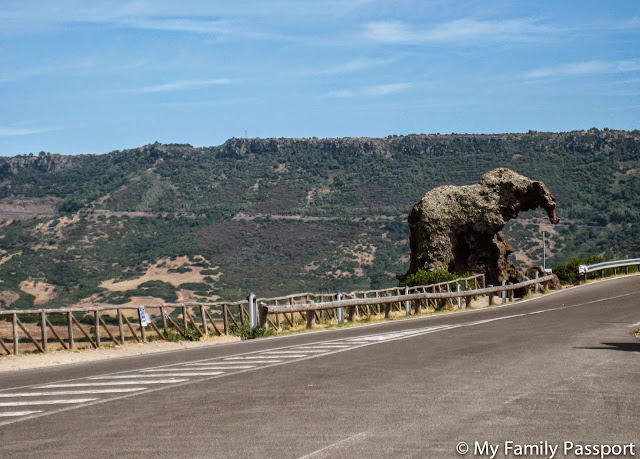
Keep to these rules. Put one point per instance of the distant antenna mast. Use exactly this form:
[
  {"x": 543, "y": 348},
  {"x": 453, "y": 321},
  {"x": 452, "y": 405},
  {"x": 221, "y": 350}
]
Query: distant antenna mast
[
  {"x": 245, "y": 133},
  {"x": 544, "y": 251}
]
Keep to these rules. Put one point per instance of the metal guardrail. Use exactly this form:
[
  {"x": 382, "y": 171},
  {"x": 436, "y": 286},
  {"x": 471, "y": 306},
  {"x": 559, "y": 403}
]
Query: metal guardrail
[
  {"x": 476, "y": 281},
  {"x": 259, "y": 312},
  {"x": 585, "y": 269}
]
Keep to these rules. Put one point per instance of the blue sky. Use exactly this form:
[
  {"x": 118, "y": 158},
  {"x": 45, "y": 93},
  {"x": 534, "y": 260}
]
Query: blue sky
[{"x": 81, "y": 76}]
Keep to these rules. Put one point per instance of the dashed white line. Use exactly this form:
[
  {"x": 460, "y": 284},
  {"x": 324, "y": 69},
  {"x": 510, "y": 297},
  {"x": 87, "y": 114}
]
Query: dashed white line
[
  {"x": 219, "y": 365},
  {"x": 179, "y": 373},
  {"x": 294, "y": 352},
  {"x": 111, "y": 383},
  {"x": 9, "y": 414},
  {"x": 292, "y": 356},
  {"x": 66, "y": 401},
  {"x": 73, "y": 392},
  {"x": 252, "y": 357}
]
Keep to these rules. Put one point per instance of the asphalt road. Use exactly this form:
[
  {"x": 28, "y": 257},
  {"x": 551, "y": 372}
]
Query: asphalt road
[{"x": 561, "y": 368}]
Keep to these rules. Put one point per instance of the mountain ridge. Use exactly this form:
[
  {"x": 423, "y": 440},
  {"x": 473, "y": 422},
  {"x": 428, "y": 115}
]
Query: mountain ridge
[{"x": 279, "y": 215}]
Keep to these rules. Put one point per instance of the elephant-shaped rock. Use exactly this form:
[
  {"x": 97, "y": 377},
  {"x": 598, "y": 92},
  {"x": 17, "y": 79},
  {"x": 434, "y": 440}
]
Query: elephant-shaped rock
[{"x": 458, "y": 227}]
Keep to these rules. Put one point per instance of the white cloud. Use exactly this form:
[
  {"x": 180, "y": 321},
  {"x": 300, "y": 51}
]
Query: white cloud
[
  {"x": 183, "y": 85},
  {"x": 350, "y": 66},
  {"x": 593, "y": 67},
  {"x": 371, "y": 91},
  {"x": 13, "y": 131},
  {"x": 461, "y": 30}
]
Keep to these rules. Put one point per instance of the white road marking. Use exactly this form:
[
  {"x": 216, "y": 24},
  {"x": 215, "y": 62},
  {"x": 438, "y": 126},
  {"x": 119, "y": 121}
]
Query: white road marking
[
  {"x": 187, "y": 373},
  {"x": 305, "y": 350},
  {"x": 73, "y": 392},
  {"x": 251, "y": 357},
  {"x": 294, "y": 352},
  {"x": 323, "y": 346},
  {"x": 220, "y": 365},
  {"x": 65, "y": 401},
  {"x": 331, "y": 347},
  {"x": 333, "y": 445},
  {"x": 112, "y": 383},
  {"x": 18, "y": 413},
  {"x": 291, "y": 356}
]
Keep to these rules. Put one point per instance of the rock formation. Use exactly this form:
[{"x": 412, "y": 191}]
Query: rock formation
[{"x": 458, "y": 227}]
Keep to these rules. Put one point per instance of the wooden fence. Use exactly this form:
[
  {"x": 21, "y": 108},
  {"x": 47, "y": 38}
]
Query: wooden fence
[{"x": 44, "y": 330}]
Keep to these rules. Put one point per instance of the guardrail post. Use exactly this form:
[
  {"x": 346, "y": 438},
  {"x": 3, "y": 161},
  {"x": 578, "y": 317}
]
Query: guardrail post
[
  {"x": 16, "y": 349},
  {"x": 340, "y": 310},
  {"x": 459, "y": 297},
  {"x": 537, "y": 287},
  {"x": 407, "y": 303},
  {"x": 43, "y": 330},
  {"x": 311, "y": 317},
  {"x": 511, "y": 293},
  {"x": 491, "y": 295},
  {"x": 504, "y": 292},
  {"x": 253, "y": 313}
]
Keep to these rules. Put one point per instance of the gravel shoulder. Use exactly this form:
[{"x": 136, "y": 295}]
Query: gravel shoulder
[{"x": 29, "y": 361}]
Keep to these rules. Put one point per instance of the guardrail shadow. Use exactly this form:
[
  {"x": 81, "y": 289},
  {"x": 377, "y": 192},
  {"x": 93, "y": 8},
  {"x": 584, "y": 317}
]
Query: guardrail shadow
[{"x": 625, "y": 347}]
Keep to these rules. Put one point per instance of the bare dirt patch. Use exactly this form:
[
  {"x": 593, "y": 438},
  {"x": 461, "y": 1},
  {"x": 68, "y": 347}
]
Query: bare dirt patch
[
  {"x": 160, "y": 272},
  {"x": 6, "y": 258},
  {"x": 41, "y": 290},
  {"x": 8, "y": 297}
]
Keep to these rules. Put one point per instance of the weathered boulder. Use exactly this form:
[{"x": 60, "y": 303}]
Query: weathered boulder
[{"x": 458, "y": 227}]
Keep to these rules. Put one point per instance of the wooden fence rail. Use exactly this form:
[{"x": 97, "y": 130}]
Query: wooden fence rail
[{"x": 43, "y": 330}]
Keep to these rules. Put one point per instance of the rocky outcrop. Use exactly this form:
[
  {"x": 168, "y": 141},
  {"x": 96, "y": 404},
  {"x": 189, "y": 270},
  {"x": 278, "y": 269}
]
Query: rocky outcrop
[{"x": 458, "y": 227}]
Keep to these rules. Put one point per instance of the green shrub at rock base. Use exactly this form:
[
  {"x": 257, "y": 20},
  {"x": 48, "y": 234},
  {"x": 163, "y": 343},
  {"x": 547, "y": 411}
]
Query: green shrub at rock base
[{"x": 422, "y": 277}]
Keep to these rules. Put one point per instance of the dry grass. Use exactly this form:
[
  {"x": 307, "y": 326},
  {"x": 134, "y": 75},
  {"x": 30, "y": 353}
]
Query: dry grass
[
  {"x": 41, "y": 290},
  {"x": 157, "y": 273}
]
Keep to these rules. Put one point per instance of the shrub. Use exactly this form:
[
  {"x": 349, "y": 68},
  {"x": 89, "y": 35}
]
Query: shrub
[
  {"x": 568, "y": 272},
  {"x": 429, "y": 277},
  {"x": 244, "y": 331}
]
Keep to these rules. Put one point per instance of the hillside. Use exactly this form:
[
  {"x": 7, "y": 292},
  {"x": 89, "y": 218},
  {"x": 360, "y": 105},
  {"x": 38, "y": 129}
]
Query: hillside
[{"x": 174, "y": 222}]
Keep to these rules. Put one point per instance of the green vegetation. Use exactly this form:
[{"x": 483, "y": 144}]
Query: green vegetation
[
  {"x": 423, "y": 277},
  {"x": 243, "y": 330},
  {"x": 325, "y": 215},
  {"x": 568, "y": 272}
]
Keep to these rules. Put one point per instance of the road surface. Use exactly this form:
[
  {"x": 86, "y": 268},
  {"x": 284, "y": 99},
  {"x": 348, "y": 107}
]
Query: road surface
[{"x": 560, "y": 368}]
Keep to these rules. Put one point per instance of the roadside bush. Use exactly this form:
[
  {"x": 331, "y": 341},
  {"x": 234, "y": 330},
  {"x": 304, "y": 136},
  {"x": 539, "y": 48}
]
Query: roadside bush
[
  {"x": 568, "y": 272},
  {"x": 243, "y": 330},
  {"x": 429, "y": 277}
]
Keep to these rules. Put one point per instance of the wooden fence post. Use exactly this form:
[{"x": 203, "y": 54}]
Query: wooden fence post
[
  {"x": 143, "y": 330},
  {"x": 164, "y": 317},
  {"x": 225, "y": 320},
  {"x": 120, "y": 326},
  {"x": 43, "y": 330},
  {"x": 96, "y": 322},
  {"x": 204, "y": 321},
  {"x": 185, "y": 324},
  {"x": 70, "y": 328},
  {"x": 15, "y": 334}
]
